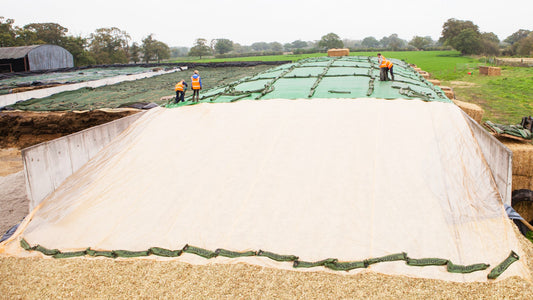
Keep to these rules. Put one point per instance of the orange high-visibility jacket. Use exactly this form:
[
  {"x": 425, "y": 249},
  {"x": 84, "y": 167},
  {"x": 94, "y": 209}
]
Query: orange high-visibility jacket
[
  {"x": 383, "y": 62},
  {"x": 195, "y": 80},
  {"x": 179, "y": 87},
  {"x": 388, "y": 64}
]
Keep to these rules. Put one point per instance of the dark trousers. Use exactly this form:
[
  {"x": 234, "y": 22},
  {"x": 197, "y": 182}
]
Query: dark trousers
[
  {"x": 384, "y": 74},
  {"x": 196, "y": 92},
  {"x": 391, "y": 73},
  {"x": 180, "y": 96}
]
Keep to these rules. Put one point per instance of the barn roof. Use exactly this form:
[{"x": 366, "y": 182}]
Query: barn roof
[{"x": 16, "y": 52}]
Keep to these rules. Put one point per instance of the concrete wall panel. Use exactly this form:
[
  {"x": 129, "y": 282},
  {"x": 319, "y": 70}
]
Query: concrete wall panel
[{"x": 48, "y": 164}]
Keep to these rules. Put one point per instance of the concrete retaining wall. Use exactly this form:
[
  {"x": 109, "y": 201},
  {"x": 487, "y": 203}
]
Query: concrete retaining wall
[
  {"x": 41, "y": 93},
  {"x": 48, "y": 164},
  {"x": 498, "y": 157}
]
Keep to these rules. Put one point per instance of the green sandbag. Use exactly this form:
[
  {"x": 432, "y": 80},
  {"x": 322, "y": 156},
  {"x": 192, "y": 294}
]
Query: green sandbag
[
  {"x": 70, "y": 254},
  {"x": 126, "y": 253},
  {"x": 426, "y": 262},
  {"x": 165, "y": 252},
  {"x": 25, "y": 245},
  {"x": 346, "y": 266},
  {"x": 46, "y": 251},
  {"x": 95, "y": 253},
  {"x": 306, "y": 264},
  {"x": 199, "y": 251},
  {"x": 277, "y": 257},
  {"x": 233, "y": 254},
  {"x": 391, "y": 257},
  {"x": 499, "y": 269},
  {"x": 466, "y": 269}
]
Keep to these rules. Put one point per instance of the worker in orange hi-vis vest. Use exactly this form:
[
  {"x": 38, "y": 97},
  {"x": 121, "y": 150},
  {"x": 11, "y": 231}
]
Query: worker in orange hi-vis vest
[
  {"x": 196, "y": 83},
  {"x": 383, "y": 69},
  {"x": 180, "y": 89}
]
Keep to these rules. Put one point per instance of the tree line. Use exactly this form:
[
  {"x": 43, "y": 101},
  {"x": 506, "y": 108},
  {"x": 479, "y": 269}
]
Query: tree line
[
  {"x": 104, "y": 46},
  {"x": 113, "y": 45}
]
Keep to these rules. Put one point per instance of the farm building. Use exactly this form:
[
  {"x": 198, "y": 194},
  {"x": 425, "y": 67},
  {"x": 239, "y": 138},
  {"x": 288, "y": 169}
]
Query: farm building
[
  {"x": 34, "y": 58},
  {"x": 332, "y": 170}
]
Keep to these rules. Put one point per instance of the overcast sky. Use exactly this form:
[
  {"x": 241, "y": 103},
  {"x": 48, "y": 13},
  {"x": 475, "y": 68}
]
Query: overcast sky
[{"x": 180, "y": 23}]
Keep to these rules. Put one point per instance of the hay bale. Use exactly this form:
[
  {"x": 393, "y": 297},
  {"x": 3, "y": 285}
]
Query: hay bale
[
  {"x": 424, "y": 74},
  {"x": 434, "y": 82},
  {"x": 474, "y": 111},
  {"x": 522, "y": 182},
  {"x": 417, "y": 69},
  {"x": 448, "y": 91},
  {"x": 494, "y": 71},
  {"x": 490, "y": 71},
  {"x": 338, "y": 52},
  {"x": 525, "y": 209},
  {"x": 522, "y": 157}
]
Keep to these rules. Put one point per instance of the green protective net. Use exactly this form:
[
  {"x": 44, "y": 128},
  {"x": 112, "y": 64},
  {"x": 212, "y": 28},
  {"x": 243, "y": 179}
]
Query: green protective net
[
  {"x": 327, "y": 77},
  {"x": 143, "y": 90},
  {"x": 330, "y": 263}
]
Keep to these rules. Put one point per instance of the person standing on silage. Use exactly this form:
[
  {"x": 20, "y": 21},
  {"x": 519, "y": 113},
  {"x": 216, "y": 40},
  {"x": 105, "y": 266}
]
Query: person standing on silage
[
  {"x": 196, "y": 83},
  {"x": 180, "y": 89}
]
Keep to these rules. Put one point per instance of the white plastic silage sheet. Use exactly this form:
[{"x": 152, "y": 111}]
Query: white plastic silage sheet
[{"x": 325, "y": 178}]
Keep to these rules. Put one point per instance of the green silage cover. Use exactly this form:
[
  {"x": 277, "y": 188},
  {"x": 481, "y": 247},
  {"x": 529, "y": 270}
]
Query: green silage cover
[{"x": 327, "y": 77}]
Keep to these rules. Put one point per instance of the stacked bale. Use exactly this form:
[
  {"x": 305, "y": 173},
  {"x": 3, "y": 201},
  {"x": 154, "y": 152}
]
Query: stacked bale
[
  {"x": 474, "y": 111},
  {"x": 448, "y": 91},
  {"x": 424, "y": 74},
  {"x": 339, "y": 52},
  {"x": 522, "y": 164},
  {"x": 434, "y": 81},
  {"x": 490, "y": 71}
]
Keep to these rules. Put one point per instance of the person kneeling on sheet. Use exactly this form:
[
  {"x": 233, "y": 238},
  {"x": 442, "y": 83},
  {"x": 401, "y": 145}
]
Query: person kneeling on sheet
[{"x": 180, "y": 89}]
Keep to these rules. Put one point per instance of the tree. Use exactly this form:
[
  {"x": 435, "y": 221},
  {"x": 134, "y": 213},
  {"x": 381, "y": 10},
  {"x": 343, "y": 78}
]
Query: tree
[
  {"x": 514, "y": 40},
  {"x": 525, "y": 45},
  {"x": 275, "y": 46},
  {"x": 260, "y": 46},
  {"x": 161, "y": 51},
  {"x": 109, "y": 45},
  {"x": 299, "y": 44},
  {"x": 200, "y": 48},
  {"x": 462, "y": 35},
  {"x": 370, "y": 42},
  {"x": 330, "y": 40},
  {"x": 468, "y": 41},
  {"x": 392, "y": 42},
  {"x": 420, "y": 42},
  {"x": 517, "y": 36},
  {"x": 489, "y": 43},
  {"x": 7, "y": 33},
  {"x": 48, "y": 33},
  {"x": 77, "y": 46},
  {"x": 178, "y": 51},
  {"x": 223, "y": 46},
  {"x": 135, "y": 50},
  {"x": 148, "y": 49}
]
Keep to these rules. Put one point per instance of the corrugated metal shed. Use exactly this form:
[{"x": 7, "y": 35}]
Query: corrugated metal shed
[
  {"x": 34, "y": 58},
  {"x": 16, "y": 52}
]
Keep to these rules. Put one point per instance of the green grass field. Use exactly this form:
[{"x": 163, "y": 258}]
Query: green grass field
[{"x": 505, "y": 99}]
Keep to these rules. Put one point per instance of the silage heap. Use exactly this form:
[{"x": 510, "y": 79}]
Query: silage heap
[{"x": 318, "y": 185}]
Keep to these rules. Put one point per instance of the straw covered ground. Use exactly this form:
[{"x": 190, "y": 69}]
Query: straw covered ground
[{"x": 106, "y": 278}]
